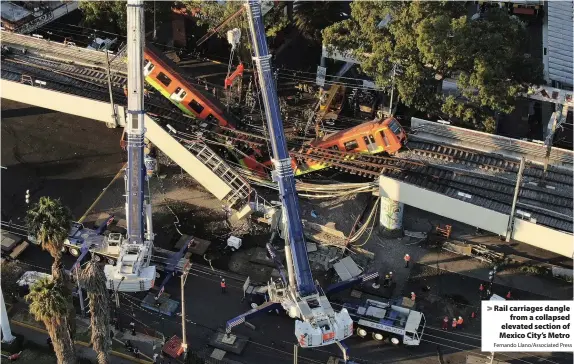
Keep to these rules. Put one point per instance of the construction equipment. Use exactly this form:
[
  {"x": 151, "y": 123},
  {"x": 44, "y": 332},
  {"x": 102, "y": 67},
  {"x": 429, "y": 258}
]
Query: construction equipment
[
  {"x": 132, "y": 272},
  {"x": 318, "y": 324},
  {"x": 384, "y": 320}
]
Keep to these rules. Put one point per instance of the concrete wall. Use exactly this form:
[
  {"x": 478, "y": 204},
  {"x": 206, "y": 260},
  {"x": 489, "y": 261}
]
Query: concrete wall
[
  {"x": 58, "y": 101},
  {"x": 552, "y": 240},
  {"x": 445, "y": 206},
  {"x": 526, "y": 232},
  {"x": 101, "y": 111}
]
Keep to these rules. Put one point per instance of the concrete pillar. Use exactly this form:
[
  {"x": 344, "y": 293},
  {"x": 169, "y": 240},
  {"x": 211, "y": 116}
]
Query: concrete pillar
[
  {"x": 7, "y": 336},
  {"x": 391, "y": 214}
]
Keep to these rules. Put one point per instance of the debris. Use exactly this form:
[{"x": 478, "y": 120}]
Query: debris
[
  {"x": 415, "y": 234},
  {"x": 346, "y": 268},
  {"x": 314, "y": 214}
]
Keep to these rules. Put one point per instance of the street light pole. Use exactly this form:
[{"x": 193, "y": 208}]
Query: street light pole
[
  {"x": 183, "y": 322},
  {"x": 510, "y": 226}
]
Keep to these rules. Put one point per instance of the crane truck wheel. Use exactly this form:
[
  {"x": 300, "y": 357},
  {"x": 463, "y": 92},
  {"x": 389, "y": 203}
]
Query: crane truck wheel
[
  {"x": 111, "y": 261},
  {"x": 361, "y": 332},
  {"x": 97, "y": 258},
  {"x": 74, "y": 252},
  {"x": 378, "y": 336},
  {"x": 395, "y": 340}
]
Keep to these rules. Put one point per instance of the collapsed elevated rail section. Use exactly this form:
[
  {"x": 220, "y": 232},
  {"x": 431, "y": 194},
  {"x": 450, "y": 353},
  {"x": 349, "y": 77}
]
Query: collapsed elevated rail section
[{"x": 199, "y": 161}]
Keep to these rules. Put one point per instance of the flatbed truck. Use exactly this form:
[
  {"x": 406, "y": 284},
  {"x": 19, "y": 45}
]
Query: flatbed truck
[{"x": 385, "y": 320}]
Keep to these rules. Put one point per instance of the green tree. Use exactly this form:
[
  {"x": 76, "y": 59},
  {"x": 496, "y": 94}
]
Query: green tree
[
  {"x": 49, "y": 222},
  {"x": 49, "y": 304},
  {"x": 10, "y": 272},
  {"x": 311, "y": 17},
  {"x": 431, "y": 41},
  {"x": 112, "y": 15},
  {"x": 94, "y": 280}
]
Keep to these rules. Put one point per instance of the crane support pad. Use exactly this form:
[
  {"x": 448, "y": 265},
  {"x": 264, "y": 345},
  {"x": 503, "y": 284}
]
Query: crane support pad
[
  {"x": 166, "y": 306},
  {"x": 218, "y": 338}
]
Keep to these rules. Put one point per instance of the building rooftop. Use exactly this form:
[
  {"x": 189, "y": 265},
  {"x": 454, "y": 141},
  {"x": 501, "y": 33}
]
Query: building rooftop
[{"x": 13, "y": 13}]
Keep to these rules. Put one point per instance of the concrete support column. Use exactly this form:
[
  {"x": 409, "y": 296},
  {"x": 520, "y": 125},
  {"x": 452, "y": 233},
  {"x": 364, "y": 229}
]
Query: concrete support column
[
  {"x": 391, "y": 214},
  {"x": 7, "y": 336}
]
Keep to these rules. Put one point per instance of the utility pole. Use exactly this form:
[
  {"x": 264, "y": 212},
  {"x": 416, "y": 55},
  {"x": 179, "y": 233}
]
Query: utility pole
[
  {"x": 154, "y": 27},
  {"x": 80, "y": 293},
  {"x": 392, "y": 89},
  {"x": 510, "y": 227},
  {"x": 108, "y": 73},
  {"x": 183, "y": 323},
  {"x": 295, "y": 353}
]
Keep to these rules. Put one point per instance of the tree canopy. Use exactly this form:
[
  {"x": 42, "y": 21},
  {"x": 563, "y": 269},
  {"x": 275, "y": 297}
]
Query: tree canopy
[
  {"x": 431, "y": 41},
  {"x": 112, "y": 15}
]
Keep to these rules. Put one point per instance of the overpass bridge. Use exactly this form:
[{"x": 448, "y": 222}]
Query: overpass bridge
[{"x": 546, "y": 219}]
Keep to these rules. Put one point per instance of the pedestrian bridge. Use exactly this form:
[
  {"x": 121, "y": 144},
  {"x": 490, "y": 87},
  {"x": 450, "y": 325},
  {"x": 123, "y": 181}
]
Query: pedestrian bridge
[{"x": 199, "y": 161}]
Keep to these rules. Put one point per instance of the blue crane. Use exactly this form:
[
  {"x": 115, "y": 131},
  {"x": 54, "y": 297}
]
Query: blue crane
[
  {"x": 318, "y": 324},
  {"x": 132, "y": 269}
]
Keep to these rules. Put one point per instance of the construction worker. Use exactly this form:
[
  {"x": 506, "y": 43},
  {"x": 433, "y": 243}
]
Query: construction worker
[
  {"x": 459, "y": 322},
  {"x": 413, "y": 296},
  {"x": 445, "y": 323},
  {"x": 387, "y": 281},
  {"x": 133, "y": 328},
  {"x": 509, "y": 295},
  {"x": 223, "y": 286},
  {"x": 407, "y": 259},
  {"x": 454, "y": 323},
  {"x": 481, "y": 291}
]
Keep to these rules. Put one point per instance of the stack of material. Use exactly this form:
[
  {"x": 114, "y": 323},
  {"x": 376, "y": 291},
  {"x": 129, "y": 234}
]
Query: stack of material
[{"x": 324, "y": 234}]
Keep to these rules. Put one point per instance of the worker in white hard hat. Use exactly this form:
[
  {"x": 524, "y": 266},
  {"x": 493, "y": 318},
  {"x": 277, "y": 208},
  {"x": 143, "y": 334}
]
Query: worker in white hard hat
[
  {"x": 223, "y": 286},
  {"x": 407, "y": 259},
  {"x": 413, "y": 296}
]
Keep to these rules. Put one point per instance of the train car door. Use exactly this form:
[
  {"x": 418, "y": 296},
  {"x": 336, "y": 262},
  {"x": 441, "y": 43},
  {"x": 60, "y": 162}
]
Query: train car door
[{"x": 370, "y": 143}]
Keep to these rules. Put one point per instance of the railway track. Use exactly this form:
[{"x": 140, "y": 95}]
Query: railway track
[
  {"x": 488, "y": 162},
  {"x": 490, "y": 191}
]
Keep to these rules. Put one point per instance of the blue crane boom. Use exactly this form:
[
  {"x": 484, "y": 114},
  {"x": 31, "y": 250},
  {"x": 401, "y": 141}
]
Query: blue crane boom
[{"x": 282, "y": 160}]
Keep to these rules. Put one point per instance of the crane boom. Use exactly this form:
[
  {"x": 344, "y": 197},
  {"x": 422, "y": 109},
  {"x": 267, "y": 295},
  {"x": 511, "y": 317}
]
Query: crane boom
[
  {"x": 132, "y": 269},
  {"x": 319, "y": 324},
  {"x": 281, "y": 159}
]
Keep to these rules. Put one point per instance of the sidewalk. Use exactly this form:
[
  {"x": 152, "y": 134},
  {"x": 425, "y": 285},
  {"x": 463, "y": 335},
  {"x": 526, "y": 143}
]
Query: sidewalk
[{"x": 35, "y": 331}]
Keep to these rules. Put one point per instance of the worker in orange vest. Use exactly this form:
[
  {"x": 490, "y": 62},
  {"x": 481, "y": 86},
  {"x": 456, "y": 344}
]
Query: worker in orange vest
[
  {"x": 413, "y": 296},
  {"x": 407, "y": 259},
  {"x": 445, "y": 323},
  {"x": 223, "y": 286},
  {"x": 508, "y": 295},
  {"x": 454, "y": 323},
  {"x": 459, "y": 322}
]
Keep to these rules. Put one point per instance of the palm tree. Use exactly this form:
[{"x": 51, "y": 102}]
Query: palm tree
[
  {"x": 49, "y": 304},
  {"x": 49, "y": 222},
  {"x": 94, "y": 280}
]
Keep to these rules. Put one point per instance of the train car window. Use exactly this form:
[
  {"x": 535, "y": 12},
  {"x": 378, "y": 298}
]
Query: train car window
[
  {"x": 146, "y": 62},
  {"x": 369, "y": 140},
  {"x": 334, "y": 147},
  {"x": 395, "y": 127},
  {"x": 163, "y": 79},
  {"x": 351, "y": 145},
  {"x": 195, "y": 106}
]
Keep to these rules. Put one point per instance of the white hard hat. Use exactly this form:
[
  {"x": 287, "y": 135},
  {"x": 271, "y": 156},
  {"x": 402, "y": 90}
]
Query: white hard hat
[
  {"x": 407, "y": 255},
  {"x": 223, "y": 279},
  {"x": 460, "y": 317},
  {"x": 412, "y": 293},
  {"x": 390, "y": 272}
]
